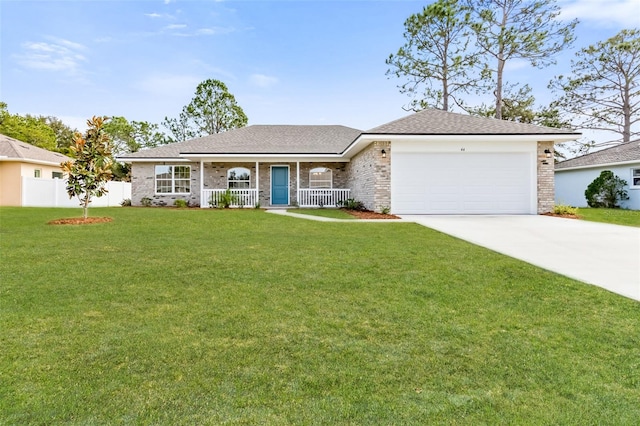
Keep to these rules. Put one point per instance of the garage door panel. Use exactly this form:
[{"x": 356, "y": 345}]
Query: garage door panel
[{"x": 461, "y": 183}]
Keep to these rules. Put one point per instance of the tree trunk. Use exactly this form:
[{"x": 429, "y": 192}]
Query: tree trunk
[
  {"x": 498, "y": 92},
  {"x": 445, "y": 79},
  {"x": 626, "y": 113},
  {"x": 501, "y": 61},
  {"x": 85, "y": 208}
]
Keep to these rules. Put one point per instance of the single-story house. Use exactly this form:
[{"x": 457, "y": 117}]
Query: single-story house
[
  {"x": 20, "y": 160},
  {"x": 430, "y": 162},
  {"x": 574, "y": 175}
]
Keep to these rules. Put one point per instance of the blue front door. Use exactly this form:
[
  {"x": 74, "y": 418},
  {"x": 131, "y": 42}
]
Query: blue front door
[{"x": 280, "y": 185}]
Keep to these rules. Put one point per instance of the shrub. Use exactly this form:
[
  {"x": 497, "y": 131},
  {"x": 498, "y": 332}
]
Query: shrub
[
  {"x": 224, "y": 201},
  {"x": 126, "y": 202},
  {"x": 180, "y": 203},
  {"x": 563, "y": 209},
  {"x": 146, "y": 201},
  {"x": 606, "y": 191},
  {"x": 352, "y": 204},
  {"x": 385, "y": 210}
]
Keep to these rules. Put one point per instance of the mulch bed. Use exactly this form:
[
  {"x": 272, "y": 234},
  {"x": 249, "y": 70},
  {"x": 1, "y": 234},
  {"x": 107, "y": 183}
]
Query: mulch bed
[
  {"x": 566, "y": 216},
  {"x": 80, "y": 221},
  {"x": 370, "y": 215}
]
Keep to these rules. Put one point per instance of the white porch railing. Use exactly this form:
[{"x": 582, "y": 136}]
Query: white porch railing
[
  {"x": 240, "y": 197},
  {"x": 322, "y": 197}
]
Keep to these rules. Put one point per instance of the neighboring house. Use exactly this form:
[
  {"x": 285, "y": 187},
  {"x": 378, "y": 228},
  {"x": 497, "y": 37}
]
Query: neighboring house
[
  {"x": 574, "y": 175},
  {"x": 430, "y": 162},
  {"x": 20, "y": 160}
]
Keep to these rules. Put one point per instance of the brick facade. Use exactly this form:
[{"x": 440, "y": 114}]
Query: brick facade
[
  {"x": 143, "y": 185},
  {"x": 369, "y": 176},
  {"x": 215, "y": 177},
  {"x": 546, "y": 182}
]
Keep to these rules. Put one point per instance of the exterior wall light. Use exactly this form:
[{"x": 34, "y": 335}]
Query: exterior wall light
[
  {"x": 384, "y": 153},
  {"x": 547, "y": 153}
]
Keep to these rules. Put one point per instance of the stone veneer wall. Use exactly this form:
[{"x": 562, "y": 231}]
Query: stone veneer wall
[
  {"x": 546, "y": 183},
  {"x": 143, "y": 185},
  {"x": 369, "y": 176}
]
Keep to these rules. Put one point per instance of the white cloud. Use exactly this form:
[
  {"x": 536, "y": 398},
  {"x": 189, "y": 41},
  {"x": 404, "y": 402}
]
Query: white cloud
[
  {"x": 215, "y": 30},
  {"x": 55, "y": 55},
  {"x": 263, "y": 81},
  {"x": 175, "y": 26},
  {"x": 155, "y": 15},
  {"x": 603, "y": 13}
]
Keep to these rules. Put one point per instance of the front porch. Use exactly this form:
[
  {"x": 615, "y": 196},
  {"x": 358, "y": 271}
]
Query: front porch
[
  {"x": 249, "y": 197},
  {"x": 282, "y": 184}
]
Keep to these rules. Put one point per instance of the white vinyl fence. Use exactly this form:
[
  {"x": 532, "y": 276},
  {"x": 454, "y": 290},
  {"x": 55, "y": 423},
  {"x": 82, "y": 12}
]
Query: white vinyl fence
[{"x": 38, "y": 192}]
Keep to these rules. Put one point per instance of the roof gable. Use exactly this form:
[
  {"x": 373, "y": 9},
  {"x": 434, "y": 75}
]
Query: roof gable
[
  {"x": 438, "y": 122},
  {"x": 623, "y": 153},
  {"x": 16, "y": 150}
]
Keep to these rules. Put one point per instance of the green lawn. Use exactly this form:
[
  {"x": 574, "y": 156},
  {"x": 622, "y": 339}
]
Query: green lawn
[
  {"x": 331, "y": 213},
  {"x": 189, "y": 316},
  {"x": 614, "y": 216}
]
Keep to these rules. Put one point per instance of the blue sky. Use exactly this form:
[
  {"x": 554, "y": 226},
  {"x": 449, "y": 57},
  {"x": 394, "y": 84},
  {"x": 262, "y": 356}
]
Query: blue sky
[{"x": 287, "y": 62}]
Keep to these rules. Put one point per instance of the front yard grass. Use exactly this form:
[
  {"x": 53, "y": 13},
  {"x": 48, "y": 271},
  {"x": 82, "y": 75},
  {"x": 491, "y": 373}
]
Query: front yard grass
[
  {"x": 329, "y": 212},
  {"x": 613, "y": 216},
  {"x": 172, "y": 316}
]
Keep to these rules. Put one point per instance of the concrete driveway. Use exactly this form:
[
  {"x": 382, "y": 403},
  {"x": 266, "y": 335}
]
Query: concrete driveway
[{"x": 596, "y": 253}]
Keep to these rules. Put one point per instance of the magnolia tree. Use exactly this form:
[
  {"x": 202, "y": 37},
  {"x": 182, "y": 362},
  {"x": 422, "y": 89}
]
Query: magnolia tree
[{"x": 91, "y": 167}]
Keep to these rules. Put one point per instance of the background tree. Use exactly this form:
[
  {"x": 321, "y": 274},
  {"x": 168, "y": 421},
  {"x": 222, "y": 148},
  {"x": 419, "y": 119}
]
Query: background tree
[
  {"x": 602, "y": 92},
  {"x": 131, "y": 136},
  {"x": 64, "y": 134},
  {"x": 27, "y": 129},
  {"x": 507, "y": 30},
  {"x": 214, "y": 110},
  {"x": 517, "y": 106},
  {"x": 91, "y": 167},
  {"x": 180, "y": 128},
  {"x": 436, "y": 58}
]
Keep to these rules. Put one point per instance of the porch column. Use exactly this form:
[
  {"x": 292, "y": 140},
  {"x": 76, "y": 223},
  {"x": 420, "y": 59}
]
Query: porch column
[
  {"x": 298, "y": 182},
  {"x": 202, "y": 203},
  {"x": 257, "y": 182}
]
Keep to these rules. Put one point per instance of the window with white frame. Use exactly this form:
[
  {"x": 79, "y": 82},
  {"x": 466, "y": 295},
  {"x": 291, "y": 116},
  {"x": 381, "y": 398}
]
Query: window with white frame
[
  {"x": 320, "y": 177},
  {"x": 239, "y": 178},
  {"x": 57, "y": 175},
  {"x": 635, "y": 177},
  {"x": 173, "y": 179},
  {"x": 37, "y": 173}
]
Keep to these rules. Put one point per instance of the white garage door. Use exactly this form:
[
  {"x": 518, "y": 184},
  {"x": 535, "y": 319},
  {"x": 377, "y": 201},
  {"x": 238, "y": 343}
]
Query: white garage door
[{"x": 461, "y": 183}]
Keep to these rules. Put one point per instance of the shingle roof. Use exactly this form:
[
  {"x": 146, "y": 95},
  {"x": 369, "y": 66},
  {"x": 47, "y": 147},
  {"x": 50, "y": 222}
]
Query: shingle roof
[
  {"x": 261, "y": 139},
  {"x": 333, "y": 139},
  {"x": 438, "y": 122},
  {"x": 622, "y": 153},
  {"x": 13, "y": 149}
]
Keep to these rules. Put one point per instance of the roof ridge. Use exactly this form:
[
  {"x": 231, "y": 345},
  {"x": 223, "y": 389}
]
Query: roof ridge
[{"x": 600, "y": 151}]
